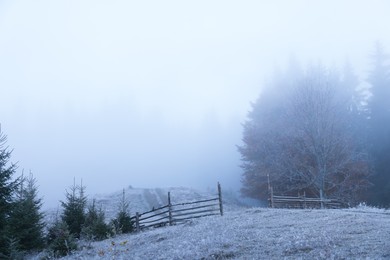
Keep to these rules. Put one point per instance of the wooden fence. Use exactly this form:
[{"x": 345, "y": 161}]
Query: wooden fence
[
  {"x": 302, "y": 202},
  {"x": 172, "y": 214}
]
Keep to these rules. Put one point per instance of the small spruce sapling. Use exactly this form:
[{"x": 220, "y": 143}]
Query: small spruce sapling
[
  {"x": 123, "y": 223},
  {"x": 95, "y": 227}
]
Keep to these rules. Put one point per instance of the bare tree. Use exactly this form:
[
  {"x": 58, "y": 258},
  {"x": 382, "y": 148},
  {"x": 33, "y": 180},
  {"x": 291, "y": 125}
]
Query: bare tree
[
  {"x": 324, "y": 152},
  {"x": 305, "y": 144}
]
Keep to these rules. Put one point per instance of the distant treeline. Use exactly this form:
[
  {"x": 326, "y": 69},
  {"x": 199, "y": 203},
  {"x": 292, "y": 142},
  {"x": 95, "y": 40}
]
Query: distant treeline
[{"x": 321, "y": 131}]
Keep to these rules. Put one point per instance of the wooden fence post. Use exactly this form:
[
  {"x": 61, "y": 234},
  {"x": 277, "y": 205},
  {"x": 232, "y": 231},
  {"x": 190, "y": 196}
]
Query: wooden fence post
[
  {"x": 169, "y": 208},
  {"x": 272, "y": 197},
  {"x": 220, "y": 199},
  {"x": 304, "y": 199},
  {"x": 137, "y": 225},
  {"x": 322, "y": 199}
]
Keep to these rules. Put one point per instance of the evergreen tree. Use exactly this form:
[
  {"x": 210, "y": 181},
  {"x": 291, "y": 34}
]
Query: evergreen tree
[
  {"x": 354, "y": 97},
  {"x": 74, "y": 209},
  {"x": 123, "y": 223},
  {"x": 61, "y": 242},
  {"x": 355, "y": 103},
  {"x": 7, "y": 187},
  {"x": 26, "y": 218},
  {"x": 379, "y": 127},
  {"x": 260, "y": 150},
  {"x": 94, "y": 227}
]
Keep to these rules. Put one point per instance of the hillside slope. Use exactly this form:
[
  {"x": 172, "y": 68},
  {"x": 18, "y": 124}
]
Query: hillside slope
[
  {"x": 144, "y": 199},
  {"x": 258, "y": 233}
]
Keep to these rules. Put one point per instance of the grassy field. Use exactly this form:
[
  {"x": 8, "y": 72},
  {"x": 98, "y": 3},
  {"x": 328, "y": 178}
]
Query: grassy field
[{"x": 258, "y": 233}]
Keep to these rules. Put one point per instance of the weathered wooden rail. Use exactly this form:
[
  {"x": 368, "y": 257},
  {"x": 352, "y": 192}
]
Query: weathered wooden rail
[
  {"x": 172, "y": 214},
  {"x": 302, "y": 202}
]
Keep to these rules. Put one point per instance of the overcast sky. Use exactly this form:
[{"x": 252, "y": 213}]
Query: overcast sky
[{"x": 153, "y": 93}]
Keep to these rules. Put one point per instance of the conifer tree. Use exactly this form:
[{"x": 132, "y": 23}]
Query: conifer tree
[
  {"x": 123, "y": 223},
  {"x": 94, "y": 227},
  {"x": 61, "y": 242},
  {"x": 7, "y": 187},
  {"x": 379, "y": 127},
  {"x": 74, "y": 209},
  {"x": 26, "y": 218}
]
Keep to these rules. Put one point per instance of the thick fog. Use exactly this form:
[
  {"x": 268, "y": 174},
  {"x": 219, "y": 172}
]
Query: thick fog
[{"x": 153, "y": 93}]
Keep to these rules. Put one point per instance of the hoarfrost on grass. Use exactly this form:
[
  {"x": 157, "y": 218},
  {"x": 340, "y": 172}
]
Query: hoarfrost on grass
[{"x": 360, "y": 232}]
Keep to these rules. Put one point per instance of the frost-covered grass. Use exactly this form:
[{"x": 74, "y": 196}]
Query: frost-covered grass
[{"x": 258, "y": 233}]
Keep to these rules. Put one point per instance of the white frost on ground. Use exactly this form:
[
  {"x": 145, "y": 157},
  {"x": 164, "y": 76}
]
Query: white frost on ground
[{"x": 258, "y": 233}]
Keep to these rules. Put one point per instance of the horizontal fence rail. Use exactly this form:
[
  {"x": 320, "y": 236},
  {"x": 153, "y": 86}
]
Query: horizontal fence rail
[
  {"x": 302, "y": 202},
  {"x": 172, "y": 214}
]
